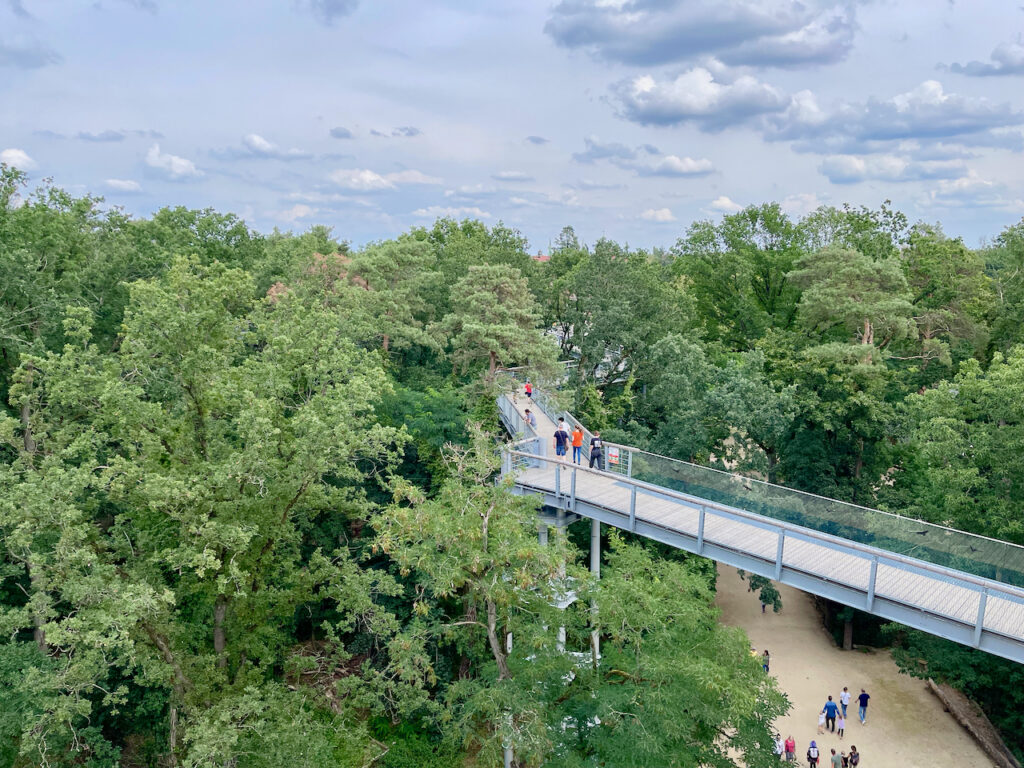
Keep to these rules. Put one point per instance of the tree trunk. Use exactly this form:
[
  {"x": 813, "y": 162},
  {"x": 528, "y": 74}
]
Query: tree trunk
[
  {"x": 220, "y": 610},
  {"x": 29, "y": 441},
  {"x": 172, "y": 732},
  {"x": 387, "y": 343},
  {"x": 492, "y": 365},
  {"x": 495, "y": 642},
  {"x": 848, "y": 635}
]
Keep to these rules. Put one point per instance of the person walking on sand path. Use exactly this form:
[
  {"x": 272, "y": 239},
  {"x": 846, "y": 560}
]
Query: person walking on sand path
[
  {"x": 862, "y": 705},
  {"x": 854, "y": 756},
  {"x": 561, "y": 438},
  {"x": 531, "y": 419},
  {"x": 844, "y": 699},
  {"x": 821, "y": 722},
  {"x": 841, "y": 725},
  {"x": 780, "y": 747},
  {"x": 830, "y": 709},
  {"x": 765, "y": 661},
  {"x": 577, "y": 444},
  {"x": 596, "y": 450},
  {"x": 790, "y": 749},
  {"x": 812, "y": 754},
  {"x": 837, "y": 760}
]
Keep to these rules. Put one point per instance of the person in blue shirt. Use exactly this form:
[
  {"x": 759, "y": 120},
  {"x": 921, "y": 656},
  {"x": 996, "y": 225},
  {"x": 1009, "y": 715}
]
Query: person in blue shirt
[
  {"x": 830, "y": 710},
  {"x": 862, "y": 702}
]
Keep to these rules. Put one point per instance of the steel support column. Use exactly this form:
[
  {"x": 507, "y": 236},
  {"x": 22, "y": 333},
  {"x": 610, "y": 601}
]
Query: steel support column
[{"x": 595, "y": 569}]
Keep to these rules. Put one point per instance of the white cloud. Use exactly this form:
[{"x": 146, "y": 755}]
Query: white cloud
[
  {"x": 850, "y": 169},
  {"x": 17, "y": 158},
  {"x": 671, "y": 165},
  {"x": 657, "y": 214},
  {"x": 801, "y": 204},
  {"x": 696, "y": 97},
  {"x": 296, "y": 212},
  {"x": 171, "y": 166},
  {"x": 123, "y": 185},
  {"x": 512, "y": 176},
  {"x": 438, "y": 211},
  {"x": 723, "y": 204},
  {"x": 370, "y": 181}
]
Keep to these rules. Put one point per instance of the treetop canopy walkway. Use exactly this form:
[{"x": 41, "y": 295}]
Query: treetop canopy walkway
[{"x": 956, "y": 585}]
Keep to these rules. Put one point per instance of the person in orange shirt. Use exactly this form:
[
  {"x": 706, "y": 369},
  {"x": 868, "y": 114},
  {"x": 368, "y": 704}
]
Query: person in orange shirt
[{"x": 577, "y": 444}]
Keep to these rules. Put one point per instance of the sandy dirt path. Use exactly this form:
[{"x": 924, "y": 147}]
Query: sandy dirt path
[{"x": 906, "y": 725}]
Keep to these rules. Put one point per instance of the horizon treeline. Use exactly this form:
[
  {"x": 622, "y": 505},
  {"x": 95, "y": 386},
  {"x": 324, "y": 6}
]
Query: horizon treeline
[{"x": 246, "y": 481}]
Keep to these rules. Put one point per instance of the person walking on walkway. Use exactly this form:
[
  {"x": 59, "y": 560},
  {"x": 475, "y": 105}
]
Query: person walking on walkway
[
  {"x": 862, "y": 705},
  {"x": 790, "y": 749},
  {"x": 531, "y": 419},
  {"x": 841, "y": 725},
  {"x": 830, "y": 710},
  {"x": 528, "y": 388},
  {"x": 854, "y": 756},
  {"x": 561, "y": 438},
  {"x": 812, "y": 754},
  {"x": 844, "y": 699},
  {"x": 596, "y": 450},
  {"x": 577, "y": 444},
  {"x": 780, "y": 746}
]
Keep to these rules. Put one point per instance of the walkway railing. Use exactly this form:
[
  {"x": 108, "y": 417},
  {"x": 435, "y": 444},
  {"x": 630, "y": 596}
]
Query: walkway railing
[{"x": 968, "y": 552}]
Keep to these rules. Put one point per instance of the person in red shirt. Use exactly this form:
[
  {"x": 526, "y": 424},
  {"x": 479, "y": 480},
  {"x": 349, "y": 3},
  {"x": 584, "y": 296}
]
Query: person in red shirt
[
  {"x": 529, "y": 389},
  {"x": 577, "y": 444}
]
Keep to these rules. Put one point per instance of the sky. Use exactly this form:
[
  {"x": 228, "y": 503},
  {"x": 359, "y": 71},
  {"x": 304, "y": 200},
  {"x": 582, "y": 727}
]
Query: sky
[{"x": 627, "y": 119}]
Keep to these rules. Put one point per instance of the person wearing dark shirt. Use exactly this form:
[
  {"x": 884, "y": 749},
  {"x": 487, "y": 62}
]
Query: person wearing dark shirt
[
  {"x": 561, "y": 439},
  {"x": 862, "y": 702},
  {"x": 596, "y": 450}
]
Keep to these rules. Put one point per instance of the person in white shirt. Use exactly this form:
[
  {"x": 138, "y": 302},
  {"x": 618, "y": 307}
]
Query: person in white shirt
[{"x": 844, "y": 699}]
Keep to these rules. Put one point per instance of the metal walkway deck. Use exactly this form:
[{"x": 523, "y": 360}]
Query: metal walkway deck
[{"x": 816, "y": 545}]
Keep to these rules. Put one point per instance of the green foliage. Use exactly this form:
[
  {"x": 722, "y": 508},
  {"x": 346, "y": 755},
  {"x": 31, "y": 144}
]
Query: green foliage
[{"x": 765, "y": 589}]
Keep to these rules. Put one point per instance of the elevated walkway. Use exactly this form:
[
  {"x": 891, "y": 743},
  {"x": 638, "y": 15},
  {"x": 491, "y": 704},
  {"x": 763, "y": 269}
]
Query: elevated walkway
[{"x": 955, "y": 585}]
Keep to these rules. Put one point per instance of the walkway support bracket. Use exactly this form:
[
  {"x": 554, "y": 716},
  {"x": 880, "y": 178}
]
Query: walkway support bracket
[
  {"x": 778, "y": 553},
  {"x": 632, "y": 510},
  {"x": 871, "y": 584},
  {"x": 980, "y": 623}
]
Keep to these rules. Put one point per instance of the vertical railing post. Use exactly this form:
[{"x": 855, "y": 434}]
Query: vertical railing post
[
  {"x": 632, "y": 510},
  {"x": 572, "y": 490},
  {"x": 558, "y": 482},
  {"x": 778, "y": 553},
  {"x": 871, "y": 584},
  {"x": 506, "y": 462},
  {"x": 700, "y": 531},
  {"x": 979, "y": 626},
  {"x": 629, "y": 463},
  {"x": 595, "y": 569}
]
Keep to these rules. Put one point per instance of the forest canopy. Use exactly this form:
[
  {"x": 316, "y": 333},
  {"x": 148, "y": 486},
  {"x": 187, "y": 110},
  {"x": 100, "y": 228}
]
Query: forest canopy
[{"x": 247, "y": 481}]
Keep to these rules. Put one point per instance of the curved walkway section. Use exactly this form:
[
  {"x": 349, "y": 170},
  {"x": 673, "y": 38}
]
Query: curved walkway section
[{"x": 954, "y": 603}]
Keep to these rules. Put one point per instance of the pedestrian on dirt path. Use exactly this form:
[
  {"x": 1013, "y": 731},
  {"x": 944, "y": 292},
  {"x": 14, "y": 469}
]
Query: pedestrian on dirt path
[
  {"x": 830, "y": 709},
  {"x": 821, "y": 722},
  {"x": 841, "y": 725},
  {"x": 561, "y": 438},
  {"x": 596, "y": 450},
  {"x": 844, "y": 699},
  {"x": 854, "y": 756},
  {"x": 862, "y": 705},
  {"x": 812, "y": 754},
  {"x": 531, "y": 419},
  {"x": 765, "y": 661},
  {"x": 837, "y": 760},
  {"x": 528, "y": 388},
  {"x": 790, "y": 749},
  {"x": 780, "y": 746},
  {"x": 577, "y": 444}
]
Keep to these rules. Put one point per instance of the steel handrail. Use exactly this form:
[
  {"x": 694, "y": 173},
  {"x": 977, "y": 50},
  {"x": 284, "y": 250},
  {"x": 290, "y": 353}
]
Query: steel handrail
[{"x": 870, "y": 552}]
